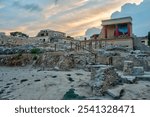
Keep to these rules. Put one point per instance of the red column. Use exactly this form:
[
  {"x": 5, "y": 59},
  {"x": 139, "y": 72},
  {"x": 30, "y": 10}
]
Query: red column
[
  {"x": 117, "y": 31},
  {"x": 105, "y": 31},
  {"x": 129, "y": 30}
]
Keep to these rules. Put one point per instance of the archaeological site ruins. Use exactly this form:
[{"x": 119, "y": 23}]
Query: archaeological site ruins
[{"x": 111, "y": 65}]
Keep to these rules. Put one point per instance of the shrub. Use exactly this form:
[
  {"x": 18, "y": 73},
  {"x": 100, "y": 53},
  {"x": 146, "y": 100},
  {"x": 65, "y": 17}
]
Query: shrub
[
  {"x": 35, "y": 51},
  {"x": 70, "y": 95}
]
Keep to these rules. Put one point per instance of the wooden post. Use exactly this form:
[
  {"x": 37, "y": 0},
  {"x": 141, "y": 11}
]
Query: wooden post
[
  {"x": 85, "y": 41},
  {"x": 55, "y": 47},
  {"x": 110, "y": 60},
  {"x": 95, "y": 58},
  {"x": 83, "y": 47},
  {"x": 95, "y": 43},
  {"x": 100, "y": 44},
  {"x": 91, "y": 45},
  {"x": 71, "y": 44},
  {"x": 80, "y": 45},
  {"x": 76, "y": 47}
]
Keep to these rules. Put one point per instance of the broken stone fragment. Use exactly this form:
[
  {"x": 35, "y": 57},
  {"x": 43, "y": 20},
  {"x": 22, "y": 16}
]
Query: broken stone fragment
[
  {"x": 128, "y": 68},
  {"x": 116, "y": 93}
]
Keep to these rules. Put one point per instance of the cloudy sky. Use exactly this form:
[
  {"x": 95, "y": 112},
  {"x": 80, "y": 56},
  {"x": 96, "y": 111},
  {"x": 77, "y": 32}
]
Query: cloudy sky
[{"x": 71, "y": 16}]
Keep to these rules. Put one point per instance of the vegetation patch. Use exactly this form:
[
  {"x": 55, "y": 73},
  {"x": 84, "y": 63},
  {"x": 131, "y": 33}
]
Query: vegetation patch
[
  {"x": 35, "y": 51},
  {"x": 71, "y": 95}
]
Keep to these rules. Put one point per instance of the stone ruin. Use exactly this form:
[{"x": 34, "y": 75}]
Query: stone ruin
[
  {"x": 102, "y": 78},
  {"x": 129, "y": 69},
  {"x": 110, "y": 67}
]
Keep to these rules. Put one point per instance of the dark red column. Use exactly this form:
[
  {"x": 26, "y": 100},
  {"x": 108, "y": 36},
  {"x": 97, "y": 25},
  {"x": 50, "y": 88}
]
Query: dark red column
[
  {"x": 129, "y": 30},
  {"x": 85, "y": 41},
  {"x": 105, "y": 31},
  {"x": 117, "y": 31}
]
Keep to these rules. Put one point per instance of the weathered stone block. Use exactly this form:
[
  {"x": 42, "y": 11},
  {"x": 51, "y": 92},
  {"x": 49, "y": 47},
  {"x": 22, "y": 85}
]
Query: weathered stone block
[
  {"x": 138, "y": 71},
  {"x": 128, "y": 68}
]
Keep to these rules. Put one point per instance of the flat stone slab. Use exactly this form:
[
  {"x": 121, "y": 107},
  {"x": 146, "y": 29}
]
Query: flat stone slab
[
  {"x": 116, "y": 93},
  {"x": 144, "y": 77},
  {"x": 127, "y": 78},
  {"x": 130, "y": 79},
  {"x": 96, "y": 66},
  {"x": 138, "y": 71}
]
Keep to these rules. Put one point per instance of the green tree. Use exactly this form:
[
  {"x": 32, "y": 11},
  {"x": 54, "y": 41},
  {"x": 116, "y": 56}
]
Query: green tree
[{"x": 149, "y": 38}]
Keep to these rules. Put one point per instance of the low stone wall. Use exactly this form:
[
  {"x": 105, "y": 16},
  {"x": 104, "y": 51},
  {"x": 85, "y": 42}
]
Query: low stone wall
[
  {"x": 61, "y": 61},
  {"x": 16, "y": 60}
]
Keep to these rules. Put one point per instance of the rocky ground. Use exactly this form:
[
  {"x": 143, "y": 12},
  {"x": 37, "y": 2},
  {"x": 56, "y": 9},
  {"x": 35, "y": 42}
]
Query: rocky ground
[
  {"x": 108, "y": 74},
  {"x": 137, "y": 91},
  {"x": 35, "y": 84},
  {"x": 108, "y": 81},
  {"x": 27, "y": 83}
]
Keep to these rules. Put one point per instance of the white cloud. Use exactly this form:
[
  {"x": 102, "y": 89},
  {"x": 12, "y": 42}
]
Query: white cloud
[
  {"x": 2, "y": 5},
  {"x": 92, "y": 31},
  {"x": 71, "y": 16},
  {"x": 140, "y": 15}
]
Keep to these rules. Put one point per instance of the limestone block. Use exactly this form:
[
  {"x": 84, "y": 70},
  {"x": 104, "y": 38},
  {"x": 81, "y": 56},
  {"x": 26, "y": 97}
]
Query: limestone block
[
  {"x": 128, "y": 67},
  {"x": 116, "y": 93},
  {"x": 138, "y": 71}
]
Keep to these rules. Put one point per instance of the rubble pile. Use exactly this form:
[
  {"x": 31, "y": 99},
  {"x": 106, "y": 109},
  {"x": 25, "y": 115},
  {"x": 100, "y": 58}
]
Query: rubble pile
[
  {"x": 64, "y": 61},
  {"x": 139, "y": 59},
  {"x": 81, "y": 60},
  {"x": 105, "y": 78},
  {"x": 108, "y": 81},
  {"x": 47, "y": 61},
  {"x": 51, "y": 60}
]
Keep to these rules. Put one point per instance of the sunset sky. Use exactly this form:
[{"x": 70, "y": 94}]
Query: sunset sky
[{"x": 71, "y": 16}]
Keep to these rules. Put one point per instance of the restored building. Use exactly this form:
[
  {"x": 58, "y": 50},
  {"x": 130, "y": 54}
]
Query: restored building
[{"x": 117, "y": 32}]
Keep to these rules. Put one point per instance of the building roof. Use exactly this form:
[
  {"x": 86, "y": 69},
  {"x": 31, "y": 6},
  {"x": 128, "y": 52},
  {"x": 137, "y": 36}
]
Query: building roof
[{"x": 117, "y": 21}]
